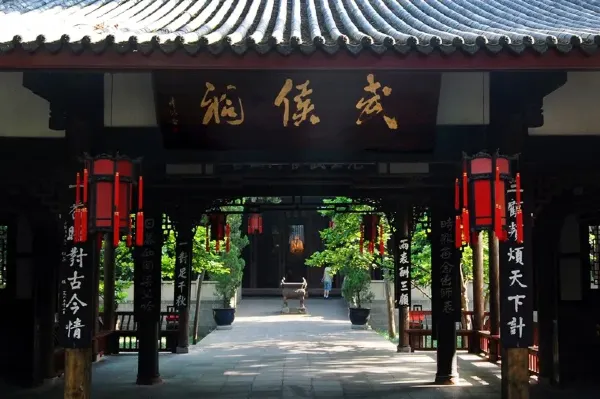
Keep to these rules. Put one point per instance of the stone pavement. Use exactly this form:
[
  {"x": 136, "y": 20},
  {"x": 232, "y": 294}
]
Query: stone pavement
[{"x": 268, "y": 355}]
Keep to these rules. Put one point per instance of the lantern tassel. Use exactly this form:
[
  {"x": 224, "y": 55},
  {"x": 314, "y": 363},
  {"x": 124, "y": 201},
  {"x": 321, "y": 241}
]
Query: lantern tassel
[
  {"x": 227, "y": 238},
  {"x": 85, "y": 186},
  {"x": 520, "y": 226},
  {"x": 362, "y": 238},
  {"x": 466, "y": 226},
  {"x": 465, "y": 184},
  {"x": 218, "y": 245},
  {"x": 116, "y": 236},
  {"x": 260, "y": 224},
  {"x": 83, "y": 220},
  {"x": 519, "y": 210},
  {"x": 456, "y": 195},
  {"x": 99, "y": 239},
  {"x": 140, "y": 193},
  {"x": 458, "y": 237},
  {"x": 129, "y": 238},
  {"x": 76, "y": 214},
  {"x": 139, "y": 229},
  {"x": 497, "y": 209}
]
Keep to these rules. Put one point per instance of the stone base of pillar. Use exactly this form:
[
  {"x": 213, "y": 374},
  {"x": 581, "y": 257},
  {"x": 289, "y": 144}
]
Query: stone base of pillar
[
  {"x": 224, "y": 327},
  {"x": 357, "y": 327},
  {"x": 143, "y": 380},
  {"x": 404, "y": 349},
  {"x": 182, "y": 349},
  {"x": 446, "y": 379}
]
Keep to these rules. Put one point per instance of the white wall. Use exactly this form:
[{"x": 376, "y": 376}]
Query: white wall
[
  {"x": 129, "y": 100},
  {"x": 573, "y": 108},
  {"x": 208, "y": 292},
  {"x": 22, "y": 113},
  {"x": 464, "y": 99}
]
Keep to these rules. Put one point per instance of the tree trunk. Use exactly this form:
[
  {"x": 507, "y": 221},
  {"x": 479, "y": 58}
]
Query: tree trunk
[
  {"x": 197, "y": 310},
  {"x": 464, "y": 301},
  {"x": 390, "y": 305}
]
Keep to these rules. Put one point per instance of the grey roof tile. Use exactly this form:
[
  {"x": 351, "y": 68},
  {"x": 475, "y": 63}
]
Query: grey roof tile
[{"x": 304, "y": 26}]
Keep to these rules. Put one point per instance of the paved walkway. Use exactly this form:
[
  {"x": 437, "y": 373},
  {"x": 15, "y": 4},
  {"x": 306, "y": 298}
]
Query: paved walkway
[{"x": 268, "y": 355}]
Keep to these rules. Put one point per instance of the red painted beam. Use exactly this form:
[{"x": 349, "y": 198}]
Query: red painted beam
[{"x": 110, "y": 60}]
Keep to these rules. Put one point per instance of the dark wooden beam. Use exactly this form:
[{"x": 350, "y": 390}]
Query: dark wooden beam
[{"x": 458, "y": 61}]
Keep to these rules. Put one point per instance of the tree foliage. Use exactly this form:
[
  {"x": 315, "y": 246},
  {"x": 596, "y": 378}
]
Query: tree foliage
[
  {"x": 342, "y": 241},
  {"x": 341, "y": 250}
]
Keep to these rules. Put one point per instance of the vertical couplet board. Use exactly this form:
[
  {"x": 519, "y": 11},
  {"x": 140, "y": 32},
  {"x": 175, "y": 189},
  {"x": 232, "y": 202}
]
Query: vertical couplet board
[
  {"x": 516, "y": 282},
  {"x": 76, "y": 316},
  {"x": 445, "y": 264},
  {"x": 402, "y": 270},
  {"x": 148, "y": 276},
  {"x": 183, "y": 268}
]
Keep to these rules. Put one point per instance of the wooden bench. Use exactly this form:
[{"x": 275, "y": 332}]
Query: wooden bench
[{"x": 124, "y": 338}]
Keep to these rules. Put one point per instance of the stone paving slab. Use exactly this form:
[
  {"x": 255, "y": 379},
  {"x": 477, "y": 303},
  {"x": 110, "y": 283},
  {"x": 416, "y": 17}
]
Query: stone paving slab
[{"x": 270, "y": 355}]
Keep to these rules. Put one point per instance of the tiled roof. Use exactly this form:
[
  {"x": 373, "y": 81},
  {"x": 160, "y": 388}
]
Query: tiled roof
[{"x": 299, "y": 25}]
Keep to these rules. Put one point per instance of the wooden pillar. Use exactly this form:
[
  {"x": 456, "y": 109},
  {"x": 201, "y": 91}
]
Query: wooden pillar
[
  {"x": 546, "y": 241},
  {"x": 78, "y": 384},
  {"x": 47, "y": 263},
  {"x": 478, "y": 297},
  {"x": 446, "y": 289},
  {"x": 402, "y": 232},
  {"x": 147, "y": 298},
  {"x": 182, "y": 283},
  {"x": 84, "y": 94},
  {"x": 516, "y": 284},
  {"x": 109, "y": 288},
  {"x": 494, "y": 287}
]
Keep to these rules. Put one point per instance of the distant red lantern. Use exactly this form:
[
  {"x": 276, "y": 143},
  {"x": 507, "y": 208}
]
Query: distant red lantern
[
  {"x": 369, "y": 230},
  {"x": 217, "y": 228},
  {"x": 483, "y": 207},
  {"x": 255, "y": 224},
  {"x": 110, "y": 183}
]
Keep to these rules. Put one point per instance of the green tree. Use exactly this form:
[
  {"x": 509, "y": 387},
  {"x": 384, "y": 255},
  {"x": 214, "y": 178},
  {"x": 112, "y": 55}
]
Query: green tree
[
  {"x": 342, "y": 249},
  {"x": 342, "y": 241},
  {"x": 228, "y": 276}
]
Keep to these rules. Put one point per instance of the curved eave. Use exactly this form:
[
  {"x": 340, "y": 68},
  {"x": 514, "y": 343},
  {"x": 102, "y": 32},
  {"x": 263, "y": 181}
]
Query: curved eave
[{"x": 150, "y": 56}]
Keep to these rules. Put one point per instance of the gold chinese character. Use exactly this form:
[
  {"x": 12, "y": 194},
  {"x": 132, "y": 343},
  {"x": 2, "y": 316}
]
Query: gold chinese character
[
  {"x": 372, "y": 105},
  {"x": 221, "y": 107},
  {"x": 304, "y": 105}
]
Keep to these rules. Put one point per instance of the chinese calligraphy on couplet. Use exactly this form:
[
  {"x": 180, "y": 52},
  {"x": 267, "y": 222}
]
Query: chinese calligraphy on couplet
[
  {"x": 304, "y": 108},
  {"x": 517, "y": 310},
  {"x": 221, "y": 108},
  {"x": 402, "y": 289},
  {"x": 182, "y": 277},
  {"x": 370, "y": 105},
  {"x": 145, "y": 287},
  {"x": 446, "y": 271},
  {"x": 76, "y": 293}
]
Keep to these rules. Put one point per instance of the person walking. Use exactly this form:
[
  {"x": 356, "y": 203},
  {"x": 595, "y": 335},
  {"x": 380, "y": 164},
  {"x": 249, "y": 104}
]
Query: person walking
[{"x": 327, "y": 280}]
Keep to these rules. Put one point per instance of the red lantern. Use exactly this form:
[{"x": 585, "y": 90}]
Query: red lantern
[
  {"x": 370, "y": 223},
  {"x": 217, "y": 229},
  {"x": 227, "y": 238},
  {"x": 111, "y": 181},
  {"x": 484, "y": 180},
  {"x": 255, "y": 224}
]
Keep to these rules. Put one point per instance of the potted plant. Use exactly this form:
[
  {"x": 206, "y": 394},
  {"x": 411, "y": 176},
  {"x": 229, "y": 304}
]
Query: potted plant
[
  {"x": 357, "y": 293},
  {"x": 227, "y": 282}
]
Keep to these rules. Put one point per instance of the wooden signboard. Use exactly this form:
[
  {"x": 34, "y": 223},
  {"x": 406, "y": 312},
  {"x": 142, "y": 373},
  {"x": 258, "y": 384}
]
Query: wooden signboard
[
  {"x": 148, "y": 269},
  {"x": 76, "y": 315},
  {"x": 402, "y": 281},
  {"x": 326, "y": 110},
  {"x": 516, "y": 283}
]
